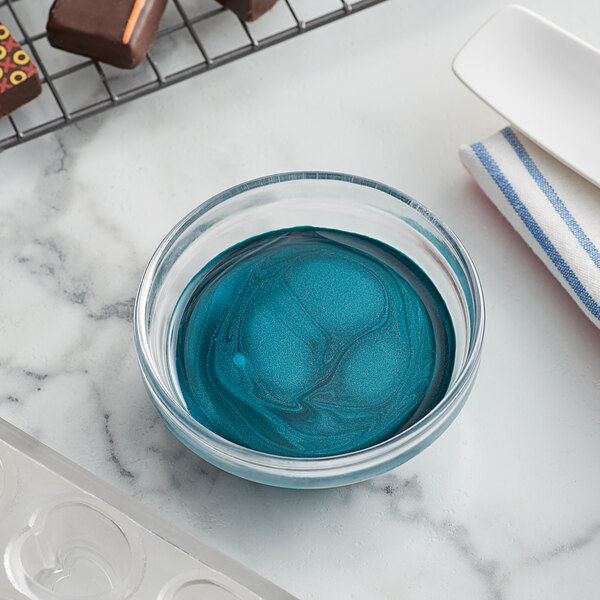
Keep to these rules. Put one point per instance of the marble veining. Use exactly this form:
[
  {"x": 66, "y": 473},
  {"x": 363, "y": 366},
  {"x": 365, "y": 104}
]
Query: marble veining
[
  {"x": 311, "y": 342},
  {"x": 505, "y": 505}
]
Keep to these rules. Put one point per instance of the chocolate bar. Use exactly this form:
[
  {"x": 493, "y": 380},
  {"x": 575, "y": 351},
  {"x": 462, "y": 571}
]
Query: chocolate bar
[
  {"x": 117, "y": 32},
  {"x": 19, "y": 79},
  {"x": 249, "y": 10}
]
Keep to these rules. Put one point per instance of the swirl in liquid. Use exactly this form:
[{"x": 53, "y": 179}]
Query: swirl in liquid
[{"x": 311, "y": 342}]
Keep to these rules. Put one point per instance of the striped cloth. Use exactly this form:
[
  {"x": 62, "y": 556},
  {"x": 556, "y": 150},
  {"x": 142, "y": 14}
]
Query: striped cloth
[{"x": 555, "y": 210}]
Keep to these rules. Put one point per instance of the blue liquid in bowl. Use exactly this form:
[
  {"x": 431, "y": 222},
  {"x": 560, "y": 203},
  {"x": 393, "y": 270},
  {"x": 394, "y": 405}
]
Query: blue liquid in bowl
[{"x": 311, "y": 342}]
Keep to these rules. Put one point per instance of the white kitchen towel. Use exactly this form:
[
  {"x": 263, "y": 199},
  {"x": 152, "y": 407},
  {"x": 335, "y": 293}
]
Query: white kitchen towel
[{"x": 555, "y": 210}]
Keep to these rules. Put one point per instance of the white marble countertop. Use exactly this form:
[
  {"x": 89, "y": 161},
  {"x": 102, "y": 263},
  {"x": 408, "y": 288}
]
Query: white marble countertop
[{"x": 506, "y": 505}]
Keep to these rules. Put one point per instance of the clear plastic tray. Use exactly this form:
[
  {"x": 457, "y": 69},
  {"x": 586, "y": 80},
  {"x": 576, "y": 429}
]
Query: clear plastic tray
[{"x": 65, "y": 534}]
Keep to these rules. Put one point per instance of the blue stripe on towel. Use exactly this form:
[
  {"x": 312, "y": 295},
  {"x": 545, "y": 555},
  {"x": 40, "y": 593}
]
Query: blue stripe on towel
[
  {"x": 553, "y": 197},
  {"x": 534, "y": 228}
]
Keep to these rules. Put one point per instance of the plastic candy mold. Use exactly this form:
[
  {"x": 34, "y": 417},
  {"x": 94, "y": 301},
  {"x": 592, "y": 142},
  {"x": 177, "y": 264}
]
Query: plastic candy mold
[{"x": 62, "y": 537}]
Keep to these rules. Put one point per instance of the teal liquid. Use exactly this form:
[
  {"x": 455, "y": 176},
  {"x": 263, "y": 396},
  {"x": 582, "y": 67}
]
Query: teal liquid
[{"x": 311, "y": 342}]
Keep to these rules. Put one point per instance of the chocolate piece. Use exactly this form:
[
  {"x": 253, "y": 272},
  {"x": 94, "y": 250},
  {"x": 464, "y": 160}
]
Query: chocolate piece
[
  {"x": 248, "y": 10},
  {"x": 19, "y": 79},
  {"x": 117, "y": 32}
]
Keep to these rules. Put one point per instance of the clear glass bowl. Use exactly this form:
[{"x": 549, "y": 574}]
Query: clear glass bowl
[{"x": 315, "y": 199}]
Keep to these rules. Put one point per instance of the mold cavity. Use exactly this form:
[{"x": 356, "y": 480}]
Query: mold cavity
[
  {"x": 74, "y": 550},
  {"x": 198, "y": 589}
]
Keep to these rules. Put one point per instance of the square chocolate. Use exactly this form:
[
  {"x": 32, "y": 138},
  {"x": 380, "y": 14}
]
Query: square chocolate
[
  {"x": 249, "y": 10},
  {"x": 117, "y": 32},
  {"x": 19, "y": 79}
]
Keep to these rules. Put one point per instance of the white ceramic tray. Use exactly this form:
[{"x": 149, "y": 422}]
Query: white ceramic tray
[{"x": 543, "y": 80}]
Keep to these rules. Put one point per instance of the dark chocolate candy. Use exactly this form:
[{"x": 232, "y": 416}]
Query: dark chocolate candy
[
  {"x": 117, "y": 32},
  {"x": 249, "y": 10},
  {"x": 19, "y": 79}
]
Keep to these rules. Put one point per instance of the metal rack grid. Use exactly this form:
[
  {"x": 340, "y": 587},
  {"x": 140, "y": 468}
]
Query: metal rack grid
[{"x": 194, "y": 37}]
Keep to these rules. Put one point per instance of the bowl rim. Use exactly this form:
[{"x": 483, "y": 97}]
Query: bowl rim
[{"x": 225, "y": 452}]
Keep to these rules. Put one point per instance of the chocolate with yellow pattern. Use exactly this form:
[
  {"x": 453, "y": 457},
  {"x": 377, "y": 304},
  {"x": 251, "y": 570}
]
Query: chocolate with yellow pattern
[{"x": 19, "y": 80}]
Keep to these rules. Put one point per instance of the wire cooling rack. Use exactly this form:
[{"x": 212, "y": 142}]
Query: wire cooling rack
[{"x": 194, "y": 36}]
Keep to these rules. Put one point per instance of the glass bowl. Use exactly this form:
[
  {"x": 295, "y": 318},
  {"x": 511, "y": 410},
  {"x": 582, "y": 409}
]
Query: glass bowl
[{"x": 317, "y": 199}]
